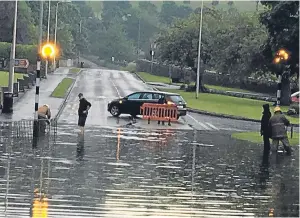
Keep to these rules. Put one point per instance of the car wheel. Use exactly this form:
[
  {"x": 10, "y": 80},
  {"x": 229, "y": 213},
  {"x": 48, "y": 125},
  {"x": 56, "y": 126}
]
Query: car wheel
[{"x": 115, "y": 111}]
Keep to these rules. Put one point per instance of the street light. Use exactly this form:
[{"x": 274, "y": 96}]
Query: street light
[
  {"x": 280, "y": 57},
  {"x": 80, "y": 24},
  {"x": 199, "y": 52},
  {"x": 48, "y": 31},
  {"x": 139, "y": 33},
  {"x": 55, "y": 29}
]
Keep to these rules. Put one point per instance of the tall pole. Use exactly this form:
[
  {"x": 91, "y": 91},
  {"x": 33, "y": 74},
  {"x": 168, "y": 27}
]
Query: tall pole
[
  {"x": 13, "y": 52},
  {"x": 80, "y": 23},
  {"x": 8, "y": 97},
  {"x": 199, "y": 52},
  {"x": 48, "y": 32},
  {"x": 139, "y": 37},
  {"x": 278, "y": 90},
  {"x": 41, "y": 23},
  {"x": 55, "y": 33}
]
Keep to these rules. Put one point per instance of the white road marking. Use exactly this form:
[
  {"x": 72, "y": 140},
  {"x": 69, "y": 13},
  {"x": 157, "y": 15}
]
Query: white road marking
[
  {"x": 116, "y": 88},
  {"x": 201, "y": 124},
  {"x": 212, "y": 126},
  {"x": 233, "y": 129}
]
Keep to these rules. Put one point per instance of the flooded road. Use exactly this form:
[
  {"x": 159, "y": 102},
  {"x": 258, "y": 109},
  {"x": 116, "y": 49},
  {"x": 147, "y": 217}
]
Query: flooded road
[{"x": 128, "y": 172}]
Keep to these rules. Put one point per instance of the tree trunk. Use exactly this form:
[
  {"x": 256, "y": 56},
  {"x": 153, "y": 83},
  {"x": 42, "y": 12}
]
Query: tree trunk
[{"x": 285, "y": 91}]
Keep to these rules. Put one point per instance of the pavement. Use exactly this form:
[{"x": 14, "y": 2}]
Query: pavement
[{"x": 24, "y": 107}]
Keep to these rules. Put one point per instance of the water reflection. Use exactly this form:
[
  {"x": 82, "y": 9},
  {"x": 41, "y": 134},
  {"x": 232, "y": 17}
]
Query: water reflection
[
  {"x": 80, "y": 147},
  {"x": 138, "y": 173}
]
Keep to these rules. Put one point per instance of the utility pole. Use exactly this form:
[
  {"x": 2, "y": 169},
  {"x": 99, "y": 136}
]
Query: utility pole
[
  {"x": 48, "y": 32},
  {"x": 8, "y": 97},
  {"x": 139, "y": 37},
  {"x": 199, "y": 52},
  {"x": 41, "y": 23},
  {"x": 55, "y": 33},
  {"x": 80, "y": 23}
]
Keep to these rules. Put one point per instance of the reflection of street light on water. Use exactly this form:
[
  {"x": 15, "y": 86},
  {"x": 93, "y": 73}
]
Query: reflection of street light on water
[{"x": 118, "y": 144}]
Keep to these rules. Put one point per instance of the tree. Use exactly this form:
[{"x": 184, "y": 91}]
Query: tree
[
  {"x": 168, "y": 11},
  {"x": 179, "y": 45},
  {"x": 282, "y": 22},
  {"x": 229, "y": 40},
  {"x": 25, "y": 26}
]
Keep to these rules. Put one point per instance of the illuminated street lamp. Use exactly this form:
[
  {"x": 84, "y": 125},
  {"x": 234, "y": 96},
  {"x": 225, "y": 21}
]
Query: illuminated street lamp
[
  {"x": 280, "y": 57},
  {"x": 48, "y": 51}
]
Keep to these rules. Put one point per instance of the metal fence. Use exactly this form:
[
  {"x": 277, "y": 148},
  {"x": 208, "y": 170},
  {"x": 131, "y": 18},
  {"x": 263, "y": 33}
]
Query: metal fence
[{"x": 23, "y": 129}]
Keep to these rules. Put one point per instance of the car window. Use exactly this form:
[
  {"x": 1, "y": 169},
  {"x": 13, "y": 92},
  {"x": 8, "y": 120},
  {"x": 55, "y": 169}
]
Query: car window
[
  {"x": 157, "y": 96},
  {"x": 176, "y": 98},
  {"x": 147, "y": 96},
  {"x": 134, "y": 96}
]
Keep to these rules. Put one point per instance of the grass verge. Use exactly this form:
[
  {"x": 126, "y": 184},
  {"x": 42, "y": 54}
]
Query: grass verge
[
  {"x": 153, "y": 78},
  {"x": 74, "y": 70},
  {"x": 256, "y": 138},
  {"x": 4, "y": 78},
  {"x": 222, "y": 104},
  {"x": 61, "y": 89}
]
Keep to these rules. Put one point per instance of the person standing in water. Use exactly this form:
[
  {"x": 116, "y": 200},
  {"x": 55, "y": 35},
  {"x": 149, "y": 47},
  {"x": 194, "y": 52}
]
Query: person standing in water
[
  {"x": 83, "y": 109},
  {"x": 265, "y": 130}
]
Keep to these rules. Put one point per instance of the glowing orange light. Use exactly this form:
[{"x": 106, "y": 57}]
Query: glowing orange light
[{"x": 48, "y": 50}]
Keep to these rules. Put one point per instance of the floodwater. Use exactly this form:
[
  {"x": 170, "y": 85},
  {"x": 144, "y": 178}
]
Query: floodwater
[{"x": 138, "y": 173}]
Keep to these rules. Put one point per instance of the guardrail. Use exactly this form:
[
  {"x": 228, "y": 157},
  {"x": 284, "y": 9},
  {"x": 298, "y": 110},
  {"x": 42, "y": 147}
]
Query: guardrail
[
  {"x": 24, "y": 128},
  {"x": 159, "y": 112}
]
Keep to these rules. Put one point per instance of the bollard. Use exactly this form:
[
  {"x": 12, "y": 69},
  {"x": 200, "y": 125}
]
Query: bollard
[
  {"x": 169, "y": 123},
  {"x": 149, "y": 120},
  {"x": 292, "y": 128}
]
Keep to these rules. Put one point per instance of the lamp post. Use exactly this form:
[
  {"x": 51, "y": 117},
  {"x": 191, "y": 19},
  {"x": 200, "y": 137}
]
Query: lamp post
[
  {"x": 55, "y": 33},
  {"x": 8, "y": 97},
  {"x": 80, "y": 28},
  {"x": 48, "y": 32},
  {"x": 199, "y": 52},
  {"x": 281, "y": 56},
  {"x": 139, "y": 33}
]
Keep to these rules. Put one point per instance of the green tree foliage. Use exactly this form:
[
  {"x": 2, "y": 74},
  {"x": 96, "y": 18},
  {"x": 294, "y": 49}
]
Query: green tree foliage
[
  {"x": 282, "y": 22},
  {"x": 229, "y": 39},
  {"x": 25, "y": 28},
  {"x": 170, "y": 10}
]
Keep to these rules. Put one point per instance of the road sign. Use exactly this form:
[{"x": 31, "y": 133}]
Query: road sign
[{"x": 21, "y": 63}]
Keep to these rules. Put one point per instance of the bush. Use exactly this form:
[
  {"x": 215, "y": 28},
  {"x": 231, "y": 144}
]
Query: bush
[
  {"x": 295, "y": 107},
  {"x": 22, "y": 51},
  {"x": 131, "y": 67}
]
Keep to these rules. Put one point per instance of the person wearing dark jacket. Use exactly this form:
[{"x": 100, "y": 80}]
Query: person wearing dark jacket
[
  {"x": 265, "y": 130},
  {"x": 83, "y": 109},
  {"x": 278, "y": 124}
]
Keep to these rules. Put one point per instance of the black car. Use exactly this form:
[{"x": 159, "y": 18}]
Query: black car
[{"x": 131, "y": 104}]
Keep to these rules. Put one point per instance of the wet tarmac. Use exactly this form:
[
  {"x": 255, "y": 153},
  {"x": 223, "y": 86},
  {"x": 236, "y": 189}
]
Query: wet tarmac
[{"x": 133, "y": 172}]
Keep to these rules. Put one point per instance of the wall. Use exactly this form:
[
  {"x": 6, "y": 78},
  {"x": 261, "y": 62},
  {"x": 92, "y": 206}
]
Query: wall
[
  {"x": 66, "y": 63},
  {"x": 209, "y": 78}
]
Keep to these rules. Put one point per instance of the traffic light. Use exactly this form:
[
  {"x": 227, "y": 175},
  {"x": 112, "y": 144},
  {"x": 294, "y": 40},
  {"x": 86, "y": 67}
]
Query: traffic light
[{"x": 48, "y": 51}]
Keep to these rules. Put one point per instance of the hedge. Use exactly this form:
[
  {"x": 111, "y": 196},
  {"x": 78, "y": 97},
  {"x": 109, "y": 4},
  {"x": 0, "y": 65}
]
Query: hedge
[{"x": 22, "y": 51}]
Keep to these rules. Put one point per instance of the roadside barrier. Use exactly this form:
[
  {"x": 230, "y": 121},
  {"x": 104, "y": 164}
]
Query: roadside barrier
[
  {"x": 159, "y": 112},
  {"x": 23, "y": 129}
]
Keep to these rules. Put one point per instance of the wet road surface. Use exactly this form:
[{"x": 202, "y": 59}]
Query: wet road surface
[
  {"x": 127, "y": 172},
  {"x": 101, "y": 86}
]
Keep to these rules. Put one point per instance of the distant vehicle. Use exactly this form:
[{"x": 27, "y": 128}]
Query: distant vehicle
[
  {"x": 131, "y": 104},
  {"x": 295, "y": 97}
]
